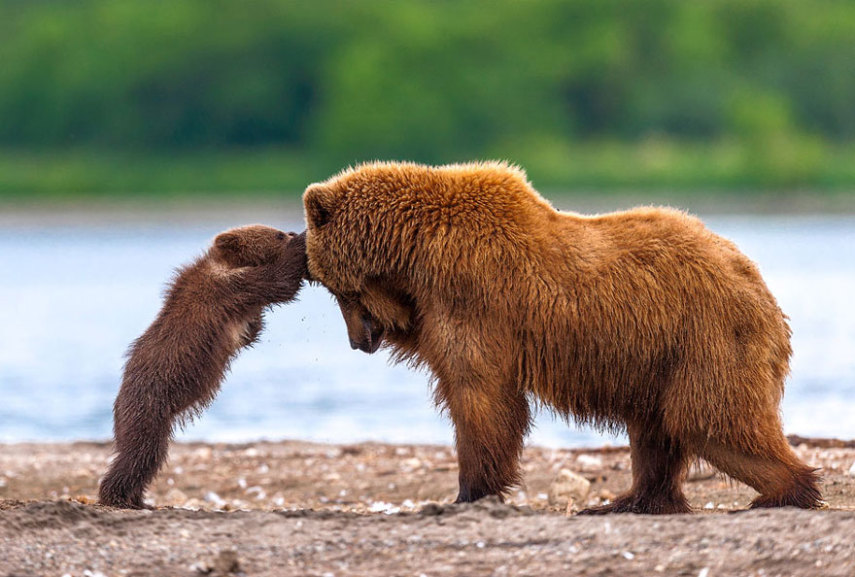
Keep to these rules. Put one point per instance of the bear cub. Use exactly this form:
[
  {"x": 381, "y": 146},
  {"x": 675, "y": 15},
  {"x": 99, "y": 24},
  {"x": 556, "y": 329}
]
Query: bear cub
[{"x": 212, "y": 309}]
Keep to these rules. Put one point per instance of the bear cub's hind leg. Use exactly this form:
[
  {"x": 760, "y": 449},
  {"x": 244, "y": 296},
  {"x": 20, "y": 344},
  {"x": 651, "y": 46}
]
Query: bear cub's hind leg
[{"x": 142, "y": 442}]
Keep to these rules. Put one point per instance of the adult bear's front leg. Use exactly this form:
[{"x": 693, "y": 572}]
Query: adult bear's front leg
[{"x": 490, "y": 426}]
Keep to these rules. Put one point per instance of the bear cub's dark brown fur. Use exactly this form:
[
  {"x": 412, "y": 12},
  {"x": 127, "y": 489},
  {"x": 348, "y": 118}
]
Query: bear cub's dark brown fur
[{"x": 212, "y": 309}]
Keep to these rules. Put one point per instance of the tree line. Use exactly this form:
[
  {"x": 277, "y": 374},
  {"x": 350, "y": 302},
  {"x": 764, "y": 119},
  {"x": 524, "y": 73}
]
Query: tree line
[{"x": 429, "y": 80}]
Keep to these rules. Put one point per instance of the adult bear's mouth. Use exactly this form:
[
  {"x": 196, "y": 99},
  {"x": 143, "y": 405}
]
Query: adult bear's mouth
[
  {"x": 363, "y": 330},
  {"x": 371, "y": 337}
]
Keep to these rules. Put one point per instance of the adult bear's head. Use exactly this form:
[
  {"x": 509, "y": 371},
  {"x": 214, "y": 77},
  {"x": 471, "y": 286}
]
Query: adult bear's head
[
  {"x": 346, "y": 244},
  {"x": 397, "y": 241}
]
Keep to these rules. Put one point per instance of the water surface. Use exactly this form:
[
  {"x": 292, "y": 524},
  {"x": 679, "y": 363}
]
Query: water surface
[{"x": 73, "y": 297}]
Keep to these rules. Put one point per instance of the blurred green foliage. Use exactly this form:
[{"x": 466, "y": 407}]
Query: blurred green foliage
[{"x": 135, "y": 95}]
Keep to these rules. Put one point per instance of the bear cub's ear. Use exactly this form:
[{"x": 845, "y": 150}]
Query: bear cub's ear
[
  {"x": 318, "y": 201},
  {"x": 229, "y": 243}
]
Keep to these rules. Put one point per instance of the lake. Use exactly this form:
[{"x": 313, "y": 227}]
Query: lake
[{"x": 73, "y": 296}]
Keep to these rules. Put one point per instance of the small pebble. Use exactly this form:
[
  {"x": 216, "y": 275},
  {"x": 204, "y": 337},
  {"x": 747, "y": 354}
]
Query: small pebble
[
  {"x": 571, "y": 508},
  {"x": 589, "y": 462},
  {"x": 227, "y": 562},
  {"x": 192, "y": 504},
  {"x": 175, "y": 497},
  {"x": 382, "y": 507},
  {"x": 214, "y": 499},
  {"x": 257, "y": 491},
  {"x": 412, "y": 463},
  {"x": 568, "y": 487},
  {"x": 203, "y": 453}
]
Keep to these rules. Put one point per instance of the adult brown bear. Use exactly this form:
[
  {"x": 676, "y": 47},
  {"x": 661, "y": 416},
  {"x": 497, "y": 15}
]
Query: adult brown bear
[{"x": 643, "y": 320}]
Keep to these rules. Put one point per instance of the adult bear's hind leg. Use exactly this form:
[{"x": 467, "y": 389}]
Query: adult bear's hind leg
[
  {"x": 771, "y": 468},
  {"x": 490, "y": 427},
  {"x": 658, "y": 462}
]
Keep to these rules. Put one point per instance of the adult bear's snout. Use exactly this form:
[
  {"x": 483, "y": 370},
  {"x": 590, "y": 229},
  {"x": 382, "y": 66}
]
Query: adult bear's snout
[
  {"x": 371, "y": 336},
  {"x": 364, "y": 332}
]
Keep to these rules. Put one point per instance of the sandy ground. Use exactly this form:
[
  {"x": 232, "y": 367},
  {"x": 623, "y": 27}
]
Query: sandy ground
[{"x": 295, "y": 508}]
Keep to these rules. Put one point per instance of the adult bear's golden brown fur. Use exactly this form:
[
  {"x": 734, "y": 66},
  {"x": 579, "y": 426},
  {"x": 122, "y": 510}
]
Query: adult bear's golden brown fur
[
  {"x": 643, "y": 320},
  {"x": 212, "y": 309}
]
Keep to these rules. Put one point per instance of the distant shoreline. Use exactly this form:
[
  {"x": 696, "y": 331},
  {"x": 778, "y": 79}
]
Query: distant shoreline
[
  {"x": 204, "y": 209},
  {"x": 156, "y": 211}
]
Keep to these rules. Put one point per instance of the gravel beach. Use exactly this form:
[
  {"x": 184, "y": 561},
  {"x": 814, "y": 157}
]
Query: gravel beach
[{"x": 296, "y": 508}]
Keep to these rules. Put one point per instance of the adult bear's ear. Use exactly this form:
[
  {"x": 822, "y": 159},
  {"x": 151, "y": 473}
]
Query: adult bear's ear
[{"x": 318, "y": 202}]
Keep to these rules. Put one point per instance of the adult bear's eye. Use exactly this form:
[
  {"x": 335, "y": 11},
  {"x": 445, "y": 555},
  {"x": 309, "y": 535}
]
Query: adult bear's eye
[{"x": 280, "y": 235}]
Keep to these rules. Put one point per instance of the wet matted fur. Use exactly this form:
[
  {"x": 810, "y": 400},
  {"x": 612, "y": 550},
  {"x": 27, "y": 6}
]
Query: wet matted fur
[
  {"x": 212, "y": 309},
  {"x": 643, "y": 321}
]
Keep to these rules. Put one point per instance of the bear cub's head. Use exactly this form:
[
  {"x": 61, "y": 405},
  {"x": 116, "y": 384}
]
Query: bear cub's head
[{"x": 255, "y": 245}]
